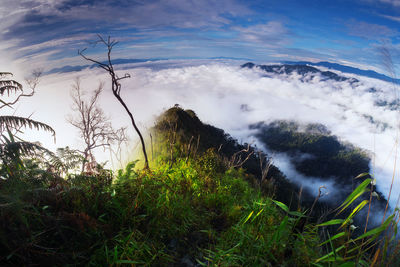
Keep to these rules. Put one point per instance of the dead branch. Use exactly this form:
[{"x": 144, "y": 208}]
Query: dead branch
[
  {"x": 116, "y": 85},
  {"x": 93, "y": 125},
  {"x": 32, "y": 83},
  {"x": 236, "y": 159}
]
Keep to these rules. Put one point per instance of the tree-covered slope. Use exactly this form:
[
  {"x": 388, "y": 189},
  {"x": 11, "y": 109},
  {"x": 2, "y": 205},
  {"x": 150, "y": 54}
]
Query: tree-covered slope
[
  {"x": 316, "y": 153},
  {"x": 327, "y": 156},
  {"x": 181, "y": 127},
  {"x": 196, "y": 206}
]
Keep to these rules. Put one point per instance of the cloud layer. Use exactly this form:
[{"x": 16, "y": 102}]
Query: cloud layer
[{"x": 361, "y": 113}]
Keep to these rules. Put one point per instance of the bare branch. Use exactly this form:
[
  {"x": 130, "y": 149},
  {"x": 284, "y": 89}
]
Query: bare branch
[
  {"x": 236, "y": 159},
  {"x": 93, "y": 125},
  {"x": 116, "y": 85},
  {"x": 13, "y": 86}
]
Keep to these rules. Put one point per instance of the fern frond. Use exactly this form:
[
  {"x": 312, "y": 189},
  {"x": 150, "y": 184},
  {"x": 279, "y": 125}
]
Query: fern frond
[
  {"x": 18, "y": 122},
  {"x": 4, "y": 74},
  {"x": 66, "y": 159},
  {"x": 9, "y": 86},
  {"x": 13, "y": 149}
]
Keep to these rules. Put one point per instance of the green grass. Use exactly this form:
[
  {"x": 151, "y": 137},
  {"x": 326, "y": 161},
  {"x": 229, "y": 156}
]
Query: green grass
[
  {"x": 191, "y": 208},
  {"x": 185, "y": 209}
]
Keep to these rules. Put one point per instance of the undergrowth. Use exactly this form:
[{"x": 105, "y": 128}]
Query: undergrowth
[
  {"x": 193, "y": 208},
  {"x": 187, "y": 211}
]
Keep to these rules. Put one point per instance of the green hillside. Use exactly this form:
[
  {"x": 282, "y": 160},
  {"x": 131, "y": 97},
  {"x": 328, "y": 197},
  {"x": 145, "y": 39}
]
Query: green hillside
[{"x": 201, "y": 203}]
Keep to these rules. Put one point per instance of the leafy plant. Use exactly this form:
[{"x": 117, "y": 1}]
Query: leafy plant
[{"x": 11, "y": 147}]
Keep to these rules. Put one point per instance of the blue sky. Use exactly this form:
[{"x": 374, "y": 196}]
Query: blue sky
[{"x": 48, "y": 33}]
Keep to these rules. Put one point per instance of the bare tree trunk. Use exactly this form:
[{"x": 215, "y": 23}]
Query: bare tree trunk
[
  {"x": 85, "y": 155},
  {"x": 146, "y": 161},
  {"x": 116, "y": 87}
]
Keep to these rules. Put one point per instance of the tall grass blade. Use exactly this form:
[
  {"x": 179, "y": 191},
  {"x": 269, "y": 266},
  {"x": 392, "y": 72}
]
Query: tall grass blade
[
  {"x": 328, "y": 256},
  {"x": 333, "y": 238},
  {"x": 376, "y": 231},
  {"x": 248, "y": 217},
  {"x": 331, "y": 222},
  {"x": 354, "y": 212},
  {"x": 281, "y": 205},
  {"x": 355, "y": 194}
]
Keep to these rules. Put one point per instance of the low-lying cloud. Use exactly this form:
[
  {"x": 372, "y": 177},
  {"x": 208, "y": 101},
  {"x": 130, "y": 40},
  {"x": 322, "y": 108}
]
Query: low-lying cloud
[{"x": 232, "y": 98}]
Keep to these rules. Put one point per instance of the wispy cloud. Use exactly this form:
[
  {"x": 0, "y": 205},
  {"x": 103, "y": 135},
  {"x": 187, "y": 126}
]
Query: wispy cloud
[
  {"x": 91, "y": 15},
  {"x": 206, "y": 28},
  {"x": 394, "y": 18},
  {"x": 391, "y": 2},
  {"x": 394, "y": 3},
  {"x": 270, "y": 34},
  {"x": 370, "y": 31},
  {"x": 40, "y": 25}
]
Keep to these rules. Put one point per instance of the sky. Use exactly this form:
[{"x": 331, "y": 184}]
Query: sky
[
  {"x": 48, "y": 33},
  {"x": 202, "y": 44}
]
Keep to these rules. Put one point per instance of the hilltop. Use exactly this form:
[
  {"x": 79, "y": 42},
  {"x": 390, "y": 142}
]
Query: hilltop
[{"x": 186, "y": 128}]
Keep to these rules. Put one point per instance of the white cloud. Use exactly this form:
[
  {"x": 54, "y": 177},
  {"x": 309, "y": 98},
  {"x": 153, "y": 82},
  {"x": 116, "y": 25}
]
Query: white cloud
[
  {"x": 394, "y": 3},
  {"x": 271, "y": 34},
  {"x": 216, "y": 91},
  {"x": 391, "y": 2},
  {"x": 144, "y": 14},
  {"x": 34, "y": 26},
  {"x": 370, "y": 31},
  {"x": 394, "y": 18},
  {"x": 76, "y": 40}
]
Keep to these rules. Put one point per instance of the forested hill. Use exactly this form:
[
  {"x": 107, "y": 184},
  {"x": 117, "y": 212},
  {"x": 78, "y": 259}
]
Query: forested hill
[
  {"x": 326, "y": 156},
  {"x": 316, "y": 153},
  {"x": 186, "y": 128}
]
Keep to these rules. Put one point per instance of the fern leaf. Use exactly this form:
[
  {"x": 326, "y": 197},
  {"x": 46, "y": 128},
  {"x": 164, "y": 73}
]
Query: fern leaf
[
  {"x": 9, "y": 86},
  {"x": 27, "y": 148},
  {"x": 17, "y": 122},
  {"x": 4, "y": 74}
]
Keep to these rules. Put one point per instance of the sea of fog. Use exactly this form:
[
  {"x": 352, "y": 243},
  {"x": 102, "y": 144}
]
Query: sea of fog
[{"x": 218, "y": 91}]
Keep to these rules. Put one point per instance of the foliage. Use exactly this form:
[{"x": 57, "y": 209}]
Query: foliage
[
  {"x": 334, "y": 158},
  {"x": 179, "y": 211},
  {"x": 181, "y": 133},
  {"x": 191, "y": 208},
  {"x": 12, "y": 148}
]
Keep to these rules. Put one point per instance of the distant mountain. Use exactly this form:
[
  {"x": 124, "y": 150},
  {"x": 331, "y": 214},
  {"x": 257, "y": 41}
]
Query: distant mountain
[
  {"x": 231, "y": 58},
  {"x": 117, "y": 61},
  {"x": 346, "y": 69},
  {"x": 301, "y": 69},
  {"x": 67, "y": 69}
]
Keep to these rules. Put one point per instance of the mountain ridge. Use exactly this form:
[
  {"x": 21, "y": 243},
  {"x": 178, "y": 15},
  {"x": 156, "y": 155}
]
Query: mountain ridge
[
  {"x": 330, "y": 65},
  {"x": 346, "y": 69},
  {"x": 300, "y": 69}
]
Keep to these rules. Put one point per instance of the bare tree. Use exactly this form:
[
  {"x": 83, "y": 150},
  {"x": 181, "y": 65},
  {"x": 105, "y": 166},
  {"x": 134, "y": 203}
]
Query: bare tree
[
  {"x": 116, "y": 85},
  {"x": 116, "y": 151},
  {"x": 94, "y": 126}
]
